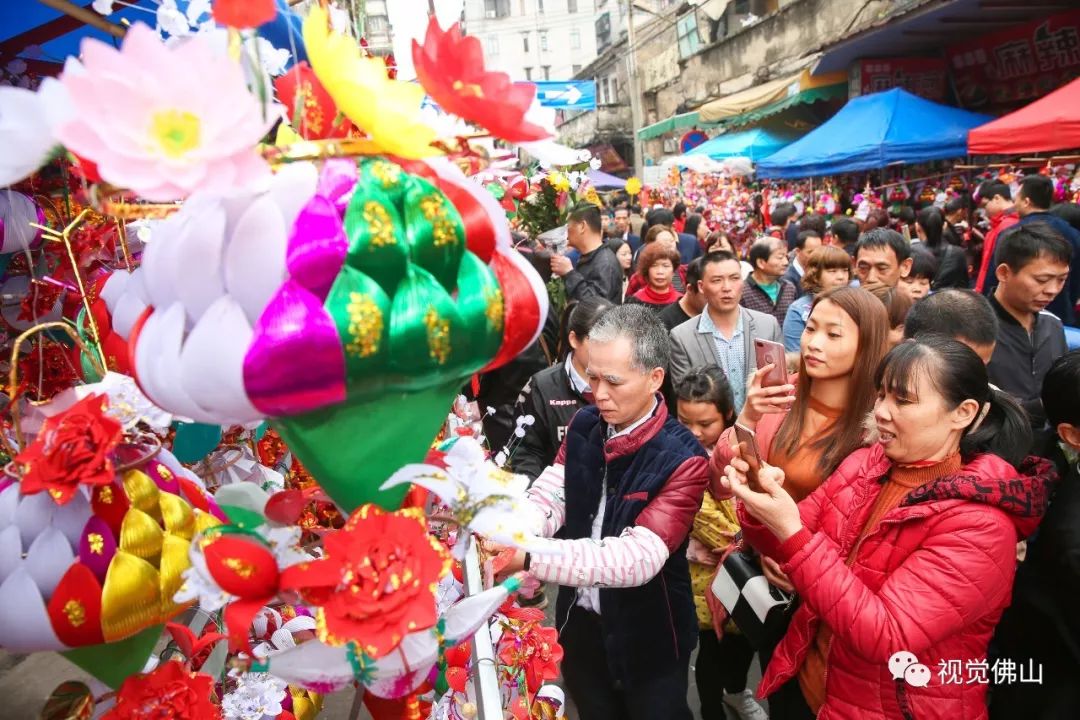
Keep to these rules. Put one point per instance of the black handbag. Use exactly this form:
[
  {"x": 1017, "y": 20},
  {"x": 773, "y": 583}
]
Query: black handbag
[{"x": 759, "y": 609}]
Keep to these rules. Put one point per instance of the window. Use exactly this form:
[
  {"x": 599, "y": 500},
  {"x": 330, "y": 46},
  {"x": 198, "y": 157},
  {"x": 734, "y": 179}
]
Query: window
[
  {"x": 539, "y": 7},
  {"x": 742, "y": 7},
  {"x": 491, "y": 46},
  {"x": 571, "y": 6},
  {"x": 689, "y": 40},
  {"x": 575, "y": 39},
  {"x": 547, "y": 71},
  {"x": 603, "y": 32},
  {"x": 528, "y": 73},
  {"x": 577, "y": 69},
  {"x": 614, "y": 90},
  {"x": 543, "y": 41},
  {"x": 525, "y": 41},
  {"x": 377, "y": 24},
  {"x": 604, "y": 91},
  {"x": 496, "y": 8}
]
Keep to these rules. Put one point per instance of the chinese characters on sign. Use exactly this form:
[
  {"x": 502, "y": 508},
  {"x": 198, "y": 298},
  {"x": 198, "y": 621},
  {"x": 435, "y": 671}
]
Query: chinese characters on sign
[
  {"x": 1009, "y": 68},
  {"x": 924, "y": 77}
]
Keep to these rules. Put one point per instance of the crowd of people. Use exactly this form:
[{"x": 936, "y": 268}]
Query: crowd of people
[{"x": 881, "y": 416}]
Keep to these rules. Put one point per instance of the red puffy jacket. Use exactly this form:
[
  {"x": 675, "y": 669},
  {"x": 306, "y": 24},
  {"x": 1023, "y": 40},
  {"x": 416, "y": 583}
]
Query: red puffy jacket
[{"x": 932, "y": 579}]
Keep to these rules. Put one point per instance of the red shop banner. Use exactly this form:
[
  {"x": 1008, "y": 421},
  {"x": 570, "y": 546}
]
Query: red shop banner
[
  {"x": 924, "y": 77},
  {"x": 1007, "y": 69}
]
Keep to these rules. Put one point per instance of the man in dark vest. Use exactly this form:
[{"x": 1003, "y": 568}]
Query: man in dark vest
[{"x": 624, "y": 490}]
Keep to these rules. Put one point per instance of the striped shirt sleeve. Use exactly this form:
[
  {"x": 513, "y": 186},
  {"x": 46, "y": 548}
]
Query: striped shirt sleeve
[
  {"x": 629, "y": 560},
  {"x": 547, "y": 494}
]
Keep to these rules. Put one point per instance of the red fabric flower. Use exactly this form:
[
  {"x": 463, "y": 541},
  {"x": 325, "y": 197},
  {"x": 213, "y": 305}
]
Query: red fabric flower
[
  {"x": 450, "y": 66},
  {"x": 377, "y": 581},
  {"x": 74, "y": 448},
  {"x": 311, "y": 110},
  {"x": 530, "y": 648},
  {"x": 49, "y": 368},
  {"x": 170, "y": 692},
  {"x": 244, "y": 13}
]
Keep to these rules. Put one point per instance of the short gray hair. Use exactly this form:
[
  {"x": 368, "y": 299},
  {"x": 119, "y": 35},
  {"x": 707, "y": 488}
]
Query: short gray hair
[{"x": 638, "y": 324}]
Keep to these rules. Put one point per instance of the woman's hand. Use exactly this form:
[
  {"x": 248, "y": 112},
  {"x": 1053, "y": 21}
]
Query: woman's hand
[
  {"x": 775, "y": 575},
  {"x": 770, "y": 505},
  {"x": 761, "y": 401}
]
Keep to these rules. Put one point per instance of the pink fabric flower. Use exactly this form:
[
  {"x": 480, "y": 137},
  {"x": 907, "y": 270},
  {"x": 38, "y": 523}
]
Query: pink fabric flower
[{"x": 164, "y": 121}]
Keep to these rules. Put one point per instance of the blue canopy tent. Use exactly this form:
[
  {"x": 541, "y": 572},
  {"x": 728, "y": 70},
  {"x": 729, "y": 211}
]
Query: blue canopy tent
[
  {"x": 755, "y": 144},
  {"x": 874, "y": 131},
  {"x": 604, "y": 180},
  {"x": 44, "y": 37}
]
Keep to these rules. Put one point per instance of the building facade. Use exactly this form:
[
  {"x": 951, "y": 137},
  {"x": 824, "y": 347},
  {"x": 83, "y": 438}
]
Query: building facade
[{"x": 535, "y": 39}]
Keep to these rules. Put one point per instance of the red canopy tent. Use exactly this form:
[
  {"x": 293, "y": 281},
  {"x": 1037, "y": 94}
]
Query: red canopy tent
[{"x": 1051, "y": 123}]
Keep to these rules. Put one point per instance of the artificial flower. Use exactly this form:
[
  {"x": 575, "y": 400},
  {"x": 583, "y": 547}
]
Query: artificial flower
[
  {"x": 376, "y": 583},
  {"x": 200, "y": 134},
  {"x": 450, "y": 66},
  {"x": 633, "y": 186},
  {"x": 25, "y": 133},
  {"x": 481, "y": 496},
  {"x": 387, "y": 110},
  {"x": 74, "y": 448},
  {"x": 309, "y": 108},
  {"x": 170, "y": 691},
  {"x": 532, "y": 649},
  {"x": 256, "y": 695},
  {"x": 244, "y": 13}
]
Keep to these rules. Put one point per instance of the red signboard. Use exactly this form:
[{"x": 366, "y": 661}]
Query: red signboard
[
  {"x": 1006, "y": 69},
  {"x": 924, "y": 77}
]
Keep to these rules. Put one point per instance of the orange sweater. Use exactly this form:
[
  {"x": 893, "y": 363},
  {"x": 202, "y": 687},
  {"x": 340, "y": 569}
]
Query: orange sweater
[
  {"x": 902, "y": 480},
  {"x": 801, "y": 473}
]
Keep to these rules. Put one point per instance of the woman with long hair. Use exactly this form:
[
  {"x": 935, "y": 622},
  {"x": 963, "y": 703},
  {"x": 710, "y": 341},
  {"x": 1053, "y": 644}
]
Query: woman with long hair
[
  {"x": 829, "y": 268},
  {"x": 696, "y": 226},
  {"x": 625, "y": 255},
  {"x": 904, "y": 559},
  {"x": 807, "y": 428},
  {"x": 705, "y": 405},
  {"x": 952, "y": 263}
]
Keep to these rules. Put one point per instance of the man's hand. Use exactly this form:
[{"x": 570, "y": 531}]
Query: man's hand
[{"x": 561, "y": 265}]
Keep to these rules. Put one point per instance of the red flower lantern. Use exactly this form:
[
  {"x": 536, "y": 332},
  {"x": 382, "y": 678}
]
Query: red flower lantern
[
  {"x": 74, "y": 448},
  {"x": 170, "y": 691},
  {"x": 244, "y": 13},
  {"x": 376, "y": 583},
  {"x": 450, "y": 66}
]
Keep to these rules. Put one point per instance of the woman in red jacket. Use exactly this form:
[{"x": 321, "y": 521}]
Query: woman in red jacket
[{"x": 904, "y": 558}]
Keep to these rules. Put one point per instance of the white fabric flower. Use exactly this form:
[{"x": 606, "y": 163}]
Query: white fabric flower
[
  {"x": 171, "y": 21},
  {"x": 103, "y": 7},
  {"x": 25, "y": 133},
  {"x": 285, "y": 544},
  {"x": 256, "y": 696},
  {"x": 199, "y": 585}
]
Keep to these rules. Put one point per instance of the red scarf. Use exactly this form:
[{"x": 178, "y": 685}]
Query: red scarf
[{"x": 648, "y": 295}]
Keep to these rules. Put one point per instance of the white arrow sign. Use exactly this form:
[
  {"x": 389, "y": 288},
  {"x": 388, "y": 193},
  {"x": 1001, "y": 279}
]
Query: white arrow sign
[{"x": 571, "y": 95}]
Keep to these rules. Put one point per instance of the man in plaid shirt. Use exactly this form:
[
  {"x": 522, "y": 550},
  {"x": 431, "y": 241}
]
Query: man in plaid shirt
[{"x": 766, "y": 290}]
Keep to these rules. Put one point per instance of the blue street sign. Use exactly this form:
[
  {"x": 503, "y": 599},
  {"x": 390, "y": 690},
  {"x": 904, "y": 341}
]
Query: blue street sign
[{"x": 569, "y": 95}]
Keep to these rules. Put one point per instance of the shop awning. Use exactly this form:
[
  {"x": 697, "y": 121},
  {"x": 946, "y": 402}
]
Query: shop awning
[
  {"x": 1046, "y": 125},
  {"x": 755, "y": 144},
  {"x": 682, "y": 121},
  {"x": 774, "y": 96},
  {"x": 873, "y": 131}
]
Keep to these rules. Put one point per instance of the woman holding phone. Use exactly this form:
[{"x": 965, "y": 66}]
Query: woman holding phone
[
  {"x": 807, "y": 428},
  {"x": 904, "y": 558}
]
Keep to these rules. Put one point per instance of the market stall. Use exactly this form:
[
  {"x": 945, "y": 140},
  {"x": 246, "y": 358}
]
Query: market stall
[
  {"x": 875, "y": 131},
  {"x": 1046, "y": 125},
  {"x": 754, "y": 144}
]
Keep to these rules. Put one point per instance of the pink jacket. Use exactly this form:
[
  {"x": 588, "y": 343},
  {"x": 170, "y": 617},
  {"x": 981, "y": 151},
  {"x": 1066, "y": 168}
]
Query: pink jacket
[{"x": 932, "y": 579}]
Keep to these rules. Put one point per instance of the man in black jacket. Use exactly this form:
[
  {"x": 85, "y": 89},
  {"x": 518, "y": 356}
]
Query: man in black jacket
[
  {"x": 552, "y": 396},
  {"x": 1034, "y": 266},
  {"x": 598, "y": 273},
  {"x": 1042, "y": 626}
]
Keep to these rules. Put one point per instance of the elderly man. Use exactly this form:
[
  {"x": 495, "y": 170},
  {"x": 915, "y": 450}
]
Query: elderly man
[{"x": 624, "y": 490}]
